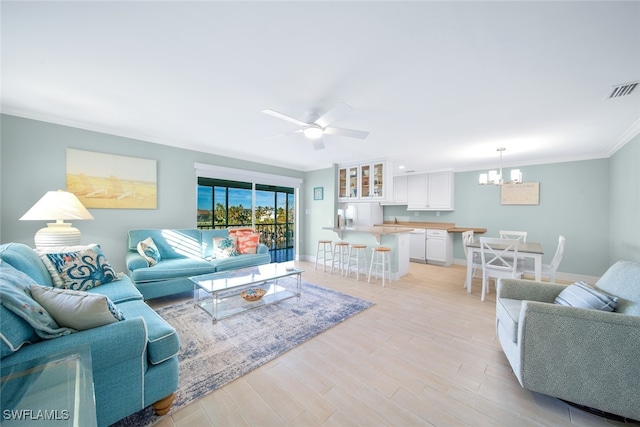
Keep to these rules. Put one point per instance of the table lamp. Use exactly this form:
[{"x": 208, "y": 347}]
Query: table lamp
[{"x": 57, "y": 205}]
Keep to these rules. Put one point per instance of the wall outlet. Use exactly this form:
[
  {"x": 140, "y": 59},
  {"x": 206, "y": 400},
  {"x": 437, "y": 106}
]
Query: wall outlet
[
  {"x": 307, "y": 211},
  {"x": 416, "y": 213}
]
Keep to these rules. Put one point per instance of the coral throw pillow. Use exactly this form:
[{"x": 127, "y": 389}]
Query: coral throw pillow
[{"x": 246, "y": 240}]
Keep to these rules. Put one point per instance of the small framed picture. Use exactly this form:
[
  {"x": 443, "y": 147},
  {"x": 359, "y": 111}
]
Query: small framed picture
[{"x": 318, "y": 193}]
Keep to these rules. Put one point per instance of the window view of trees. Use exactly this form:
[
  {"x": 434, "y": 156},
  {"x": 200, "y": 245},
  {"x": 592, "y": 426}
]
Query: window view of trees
[{"x": 223, "y": 204}]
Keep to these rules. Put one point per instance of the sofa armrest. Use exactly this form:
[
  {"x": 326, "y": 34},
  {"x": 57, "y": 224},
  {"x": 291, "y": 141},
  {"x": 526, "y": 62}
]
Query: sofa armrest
[
  {"x": 110, "y": 344},
  {"x": 135, "y": 261},
  {"x": 584, "y": 356},
  {"x": 262, "y": 249},
  {"x": 528, "y": 290}
]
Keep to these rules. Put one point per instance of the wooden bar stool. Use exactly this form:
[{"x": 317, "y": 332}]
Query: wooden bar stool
[
  {"x": 340, "y": 254},
  {"x": 324, "y": 249},
  {"x": 380, "y": 257},
  {"x": 354, "y": 255}
]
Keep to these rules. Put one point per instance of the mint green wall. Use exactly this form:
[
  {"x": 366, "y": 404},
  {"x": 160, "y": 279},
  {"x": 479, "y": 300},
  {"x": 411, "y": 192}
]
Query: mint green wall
[
  {"x": 624, "y": 230},
  {"x": 318, "y": 213},
  {"x": 594, "y": 203},
  {"x": 574, "y": 202},
  {"x": 33, "y": 159}
]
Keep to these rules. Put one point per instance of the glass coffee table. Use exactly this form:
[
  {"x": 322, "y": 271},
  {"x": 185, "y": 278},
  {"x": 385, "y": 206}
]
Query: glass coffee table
[
  {"x": 53, "y": 390},
  {"x": 223, "y": 290}
]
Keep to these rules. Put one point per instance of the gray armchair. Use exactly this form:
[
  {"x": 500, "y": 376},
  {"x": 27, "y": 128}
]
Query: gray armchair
[{"x": 587, "y": 357}]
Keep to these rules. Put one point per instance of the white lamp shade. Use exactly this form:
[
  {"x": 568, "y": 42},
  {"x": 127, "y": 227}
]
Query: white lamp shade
[
  {"x": 494, "y": 177},
  {"x": 483, "y": 179},
  {"x": 516, "y": 176},
  {"x": 57, "y": 205}
]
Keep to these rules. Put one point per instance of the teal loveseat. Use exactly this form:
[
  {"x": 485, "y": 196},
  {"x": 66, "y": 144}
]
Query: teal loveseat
[
  {"x": 584, "y": 356},
  {"x": 183, "y": 253},
  {"x": 134, "y": 361}
]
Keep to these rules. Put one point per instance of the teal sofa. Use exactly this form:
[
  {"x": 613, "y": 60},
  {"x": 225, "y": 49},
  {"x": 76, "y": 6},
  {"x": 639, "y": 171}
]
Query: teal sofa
[
  {"x": 134, "y": 361},
  {"x": 584, "y": 356},
  {"x": 183, "y": 253}
]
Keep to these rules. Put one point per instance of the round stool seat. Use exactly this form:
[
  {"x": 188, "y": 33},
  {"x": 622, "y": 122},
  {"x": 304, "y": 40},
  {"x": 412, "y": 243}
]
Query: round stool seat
[{"x": 382, "y": 249}]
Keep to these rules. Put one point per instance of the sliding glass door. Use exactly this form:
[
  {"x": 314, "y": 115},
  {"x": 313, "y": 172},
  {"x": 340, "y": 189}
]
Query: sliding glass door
[{"x": 223, "y": 204}]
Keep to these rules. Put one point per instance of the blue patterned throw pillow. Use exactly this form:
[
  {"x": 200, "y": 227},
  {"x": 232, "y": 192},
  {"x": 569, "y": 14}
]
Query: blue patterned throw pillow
[
  {"x": 582, "y": 295},
  {"x": 224, "y": 247},
  {"x": 80, "y": 269},
  {"x": 149, "y": 251}
]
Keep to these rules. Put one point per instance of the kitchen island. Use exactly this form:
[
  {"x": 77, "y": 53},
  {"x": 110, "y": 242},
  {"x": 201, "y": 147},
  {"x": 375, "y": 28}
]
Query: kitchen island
[{"x": 394, "y": 237}]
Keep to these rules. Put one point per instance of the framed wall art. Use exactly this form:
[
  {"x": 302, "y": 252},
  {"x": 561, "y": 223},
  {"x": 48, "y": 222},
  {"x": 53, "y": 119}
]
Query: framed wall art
[
  {"x": 526, "y": 193},
  {"x": 111, "y": 181},
  {"x": 318, "y": 193}
]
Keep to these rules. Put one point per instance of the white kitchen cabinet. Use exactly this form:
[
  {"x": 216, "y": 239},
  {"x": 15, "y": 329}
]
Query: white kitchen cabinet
[
  {"x": 400, "y": 189},
  {"x": 364, "y": 182},
  {"x": 431, "y": 192},
  {"x": 439, "y": 247}
]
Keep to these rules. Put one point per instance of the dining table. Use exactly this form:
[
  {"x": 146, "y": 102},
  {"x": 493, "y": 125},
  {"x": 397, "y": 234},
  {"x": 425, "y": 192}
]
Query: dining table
[{"x": 525, "y": 250}]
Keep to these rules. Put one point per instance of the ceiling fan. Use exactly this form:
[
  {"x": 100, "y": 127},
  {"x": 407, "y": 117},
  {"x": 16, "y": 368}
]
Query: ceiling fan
[{"x": 316, "y": 126}]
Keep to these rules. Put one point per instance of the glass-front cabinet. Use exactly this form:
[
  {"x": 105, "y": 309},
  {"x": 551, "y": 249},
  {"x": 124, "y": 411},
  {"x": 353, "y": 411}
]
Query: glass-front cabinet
[{"x": 363, "y": 182}]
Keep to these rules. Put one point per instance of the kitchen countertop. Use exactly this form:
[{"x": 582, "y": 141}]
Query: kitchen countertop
[
  {"x": 376, "y": 229},
  {"x": 449, "y": 226}
]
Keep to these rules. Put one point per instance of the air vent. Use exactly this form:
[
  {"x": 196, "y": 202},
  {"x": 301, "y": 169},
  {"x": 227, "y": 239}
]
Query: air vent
[{"x": 622, "y": 90}]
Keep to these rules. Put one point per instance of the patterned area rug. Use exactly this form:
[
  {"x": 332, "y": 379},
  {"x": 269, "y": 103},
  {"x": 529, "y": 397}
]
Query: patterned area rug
[{"x": 214, "y": 355}]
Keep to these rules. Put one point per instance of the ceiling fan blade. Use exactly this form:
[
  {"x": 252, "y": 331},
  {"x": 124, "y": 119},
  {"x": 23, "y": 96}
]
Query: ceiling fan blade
[
  {"x": 351, "y": 133},
  {"x": 285, "y": 134},
  {"x": 284, "y": 117},
  {"x": 317, "y": 144},
  {"x": 334, "y": 114}
]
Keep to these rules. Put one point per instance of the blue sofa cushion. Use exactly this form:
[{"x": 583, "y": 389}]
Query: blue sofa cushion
[
  {"x": 171, "y": 243},
  {"x": 245, "y": 260},
  {"x": 25, "y": 259},
  {"x": 15, "y": 332},
  {"x": 172, "y": 268},
  {"x": 15, "y": 295},
  {"x": 582, "y": 295},
  {"x": 163, "y": 342},
  {"x": 120, "y": 291}
]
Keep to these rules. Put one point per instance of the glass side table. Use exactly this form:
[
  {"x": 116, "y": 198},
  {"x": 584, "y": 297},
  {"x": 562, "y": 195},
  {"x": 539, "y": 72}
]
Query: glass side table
[{"x": 56, "y": 390}]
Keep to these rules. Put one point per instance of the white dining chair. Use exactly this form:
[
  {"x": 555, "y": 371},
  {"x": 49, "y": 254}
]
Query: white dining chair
[
  {"x": 499, "y": 259},
  {"x": 549, "y": 270},
  {"x": 517, "y": 235},
  {"x": 468, "y": 237}
]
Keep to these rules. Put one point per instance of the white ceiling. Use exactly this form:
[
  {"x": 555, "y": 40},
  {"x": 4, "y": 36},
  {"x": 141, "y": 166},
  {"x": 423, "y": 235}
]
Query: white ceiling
[{"x": 439, "y": 85}]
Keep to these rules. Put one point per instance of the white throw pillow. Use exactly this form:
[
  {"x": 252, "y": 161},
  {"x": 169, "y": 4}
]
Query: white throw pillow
[{"x": 78, "y": 310}]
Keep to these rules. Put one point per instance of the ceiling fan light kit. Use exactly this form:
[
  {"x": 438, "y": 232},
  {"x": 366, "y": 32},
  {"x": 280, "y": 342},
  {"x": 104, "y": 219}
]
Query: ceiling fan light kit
[
  {"x": 494, "y": 177},
  {"x": 316, "y": 127}
]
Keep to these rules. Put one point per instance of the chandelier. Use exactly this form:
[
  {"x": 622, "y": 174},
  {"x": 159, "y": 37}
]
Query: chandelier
[{"x": 494, "y": 177}]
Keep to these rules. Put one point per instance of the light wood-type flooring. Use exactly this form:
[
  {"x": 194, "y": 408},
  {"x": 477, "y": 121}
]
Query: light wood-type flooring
[{"x": 425, "y": 355}]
